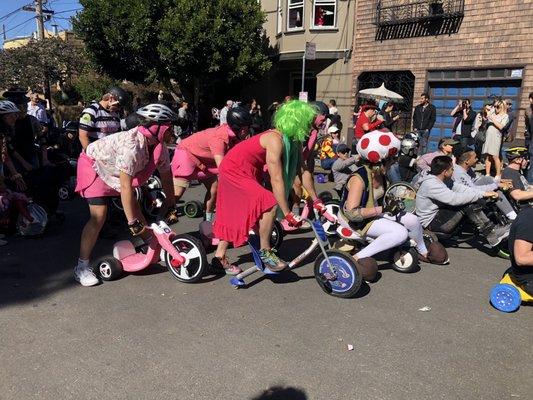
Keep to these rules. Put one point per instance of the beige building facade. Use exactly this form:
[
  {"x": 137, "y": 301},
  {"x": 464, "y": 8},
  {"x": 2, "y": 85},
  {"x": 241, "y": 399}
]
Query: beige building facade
[
  {"x": 329, "y": 24},
  {"x": 452, "y": 49}
]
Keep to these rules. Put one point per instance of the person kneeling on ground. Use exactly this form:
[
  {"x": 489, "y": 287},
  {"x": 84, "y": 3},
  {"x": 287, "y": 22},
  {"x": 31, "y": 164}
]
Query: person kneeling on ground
[
  {"x": 113, "y": 166},
  {"x": 199, "y": 155},
  {"x": 364, "y": 192},
  {"x": 521, "y": 191},
  {"x": 464, "y": 174},
  {"x": 521, "y": 249},
  {"x": 343, "y": 167},
  {"x": 440, "y": 204}
]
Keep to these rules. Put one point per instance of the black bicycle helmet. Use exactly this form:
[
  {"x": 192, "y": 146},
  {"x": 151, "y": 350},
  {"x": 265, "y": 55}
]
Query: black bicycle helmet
[
  {"x": 516, "y": 152},
  {"x": 120, "y": 94},
  {"x": 239, "y": 119},
  {"x": 321, "y": 107}
]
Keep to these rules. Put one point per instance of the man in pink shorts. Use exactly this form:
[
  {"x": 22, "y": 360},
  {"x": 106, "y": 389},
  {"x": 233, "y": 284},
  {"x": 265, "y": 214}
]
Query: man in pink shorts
[{"x": 199, "y": 156}]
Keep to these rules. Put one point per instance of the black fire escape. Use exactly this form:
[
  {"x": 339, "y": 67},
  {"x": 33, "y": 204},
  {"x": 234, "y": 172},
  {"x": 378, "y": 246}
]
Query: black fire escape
[{"x": 397, "y": 19}]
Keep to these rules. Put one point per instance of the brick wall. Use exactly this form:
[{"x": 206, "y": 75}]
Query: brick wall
[{"x": 492, "y": 33}]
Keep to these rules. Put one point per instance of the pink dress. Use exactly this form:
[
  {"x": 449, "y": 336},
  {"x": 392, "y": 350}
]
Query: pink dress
[{"x": 241, "y": 199}]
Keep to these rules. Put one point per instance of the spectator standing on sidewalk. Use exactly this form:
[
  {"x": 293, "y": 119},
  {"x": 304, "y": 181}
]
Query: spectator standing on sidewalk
[
  {"x": 224, "y": 112},
  {"x": 424, "y": 117},
  {"x": 466, "y": 116}
]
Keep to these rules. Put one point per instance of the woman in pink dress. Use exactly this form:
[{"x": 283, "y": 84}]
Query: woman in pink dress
[
  {"x": 113, "y": 166},
  {"x": 243, "y": 201},
  {"x": 199, "y": 156}
]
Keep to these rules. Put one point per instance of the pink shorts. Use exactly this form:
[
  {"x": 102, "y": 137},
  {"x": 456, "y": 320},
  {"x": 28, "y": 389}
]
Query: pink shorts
[
  {"x": 185, "y": 169},
  {"x": 89, "y": 184}
]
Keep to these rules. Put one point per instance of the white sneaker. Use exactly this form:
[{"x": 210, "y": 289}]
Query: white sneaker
[{"x": 85, "y": 276}]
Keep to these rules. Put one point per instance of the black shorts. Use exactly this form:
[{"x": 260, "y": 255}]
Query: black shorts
[
  {"x": 524, "y": 279},
  {"x": 98, "y": 201}
]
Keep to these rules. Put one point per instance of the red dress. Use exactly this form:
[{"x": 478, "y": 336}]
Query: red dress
[{"x": 241, "y": 199}]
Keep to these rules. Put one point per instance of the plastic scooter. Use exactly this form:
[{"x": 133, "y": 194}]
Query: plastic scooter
[
  {"x": 507, "y": 295},
  {"x": 183, "y": 255},
  {"x": 335, "y": 271}
]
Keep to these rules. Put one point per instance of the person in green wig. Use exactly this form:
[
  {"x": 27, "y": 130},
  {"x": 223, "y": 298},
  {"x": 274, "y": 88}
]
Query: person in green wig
[{"x": 244, "y": 202}]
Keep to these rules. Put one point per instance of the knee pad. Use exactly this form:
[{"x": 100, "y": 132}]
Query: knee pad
[{"x": 368, "y": 268}]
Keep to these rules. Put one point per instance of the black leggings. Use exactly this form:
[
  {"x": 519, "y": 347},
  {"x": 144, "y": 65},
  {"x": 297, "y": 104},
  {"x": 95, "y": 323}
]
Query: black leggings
[{"x": 446, "y": 220}]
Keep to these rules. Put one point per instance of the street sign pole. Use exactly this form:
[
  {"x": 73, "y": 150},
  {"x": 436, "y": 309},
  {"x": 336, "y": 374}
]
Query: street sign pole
[{"x": 303, "y": 73}]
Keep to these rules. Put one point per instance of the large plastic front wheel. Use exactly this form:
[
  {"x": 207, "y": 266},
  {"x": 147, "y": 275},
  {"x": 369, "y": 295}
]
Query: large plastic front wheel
[
  {"x": 347, "y": 280},
  {"x": 109, "y": 268},
  {"x": 505, "y": 297},
  {"x": 195, "y": 264}
]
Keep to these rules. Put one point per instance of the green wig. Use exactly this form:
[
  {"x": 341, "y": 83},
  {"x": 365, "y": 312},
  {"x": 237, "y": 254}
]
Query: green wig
[{"x": 293, "y": 120}]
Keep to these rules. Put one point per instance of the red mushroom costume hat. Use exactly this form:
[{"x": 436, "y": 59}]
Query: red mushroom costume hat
[{"x": 376, "y": 146}]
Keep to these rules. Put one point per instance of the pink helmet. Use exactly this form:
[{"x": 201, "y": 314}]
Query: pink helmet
[{"x": 377, "y": 146}]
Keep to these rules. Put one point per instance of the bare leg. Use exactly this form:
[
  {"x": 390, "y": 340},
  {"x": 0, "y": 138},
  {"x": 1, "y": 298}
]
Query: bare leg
[
  {"x": 221, "y": 250},
  {"x": 210, "y": 199},
  {"x": 498, "y": 165},
  {"x": 92, "y": 228},
  {"x": 265, "y": 227},
  {"x": 488, "y": 165}
]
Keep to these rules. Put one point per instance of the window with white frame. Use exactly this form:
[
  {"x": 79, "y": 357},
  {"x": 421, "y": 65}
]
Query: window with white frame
[
  {"x": 279, "y": 24},
  {"x": 324, "y": 14},
  {"x": 295, "y": 15}
]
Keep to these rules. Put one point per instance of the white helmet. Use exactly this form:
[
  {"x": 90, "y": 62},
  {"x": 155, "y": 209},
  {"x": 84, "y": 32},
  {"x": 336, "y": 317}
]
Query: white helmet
[
  {"x": 158, "y": 113},
  {"x": 8, "y": 107}
]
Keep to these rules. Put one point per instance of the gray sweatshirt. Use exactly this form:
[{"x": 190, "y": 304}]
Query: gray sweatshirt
[
  {"x": 342, "y": 169},
  {"x": 433, "y": 193},
  {"x": 460, "y": 175}
]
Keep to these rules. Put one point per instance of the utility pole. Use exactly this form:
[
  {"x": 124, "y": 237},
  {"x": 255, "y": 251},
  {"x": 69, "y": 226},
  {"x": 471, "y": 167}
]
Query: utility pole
[
  {"x": 40, "y": 20},
  {"x": 40, "y": 36}
]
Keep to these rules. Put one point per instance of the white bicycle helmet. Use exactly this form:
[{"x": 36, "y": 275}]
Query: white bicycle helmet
[
  {"x": 8, "y": 107},
  {"x": 35, "y": 227},
  {"x": 158, "y": 113}
]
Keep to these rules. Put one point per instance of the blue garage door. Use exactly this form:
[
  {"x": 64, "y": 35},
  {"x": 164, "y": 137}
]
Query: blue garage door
[{"x": 445, "y": 96}]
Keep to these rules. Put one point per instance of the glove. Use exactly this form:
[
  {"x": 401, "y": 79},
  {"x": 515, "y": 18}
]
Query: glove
[
  {"x": 171, "y": 216},
  {"x": 136, "y": 227},
  {"x": 293, "y": 220},
  {"x": 319, "y": 206},
  {"x": 393, "y": 206}
]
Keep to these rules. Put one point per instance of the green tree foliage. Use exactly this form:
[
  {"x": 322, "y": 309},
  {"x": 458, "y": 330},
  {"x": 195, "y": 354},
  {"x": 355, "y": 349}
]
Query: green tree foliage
[
  {"x": 196, "y": 43},
  {"x": 26, "y": 66}
]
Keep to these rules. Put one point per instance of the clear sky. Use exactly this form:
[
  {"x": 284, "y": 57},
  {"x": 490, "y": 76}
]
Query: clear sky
[{"x": 22, "y": 23}]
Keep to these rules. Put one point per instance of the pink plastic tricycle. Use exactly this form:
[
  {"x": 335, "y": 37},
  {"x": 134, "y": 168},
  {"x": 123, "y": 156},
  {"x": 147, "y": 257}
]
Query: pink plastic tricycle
[{"x": 183, "y": 255}]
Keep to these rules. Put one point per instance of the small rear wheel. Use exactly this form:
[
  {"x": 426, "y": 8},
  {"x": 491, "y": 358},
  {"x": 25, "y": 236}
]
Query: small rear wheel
[
  {"x": 64, "y": 192},
  {"x": 404, "y": 260},
  {"x": 195, "y": 264},
  {"x": 276, "y": 237},
  {"x": 325, "y": 196},
  {"x": 345, "y": 281},
  {"x": 109, "y": 268},
  {"x": 193, "y": 209}
]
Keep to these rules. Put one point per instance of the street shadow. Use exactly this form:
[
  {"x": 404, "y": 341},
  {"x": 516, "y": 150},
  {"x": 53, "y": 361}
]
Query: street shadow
[{"x": 281, "y": 393}]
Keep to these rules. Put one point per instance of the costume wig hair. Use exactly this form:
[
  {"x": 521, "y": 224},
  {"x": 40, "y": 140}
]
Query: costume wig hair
[{"x": 294, "y": 121}]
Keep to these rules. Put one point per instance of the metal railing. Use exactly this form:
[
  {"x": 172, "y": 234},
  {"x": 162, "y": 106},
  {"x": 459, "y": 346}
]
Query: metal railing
[{"x": 393, "y": 12}]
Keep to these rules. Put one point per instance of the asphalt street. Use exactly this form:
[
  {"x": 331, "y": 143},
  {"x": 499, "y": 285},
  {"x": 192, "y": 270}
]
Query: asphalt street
[{"x": 148, "y": 336}]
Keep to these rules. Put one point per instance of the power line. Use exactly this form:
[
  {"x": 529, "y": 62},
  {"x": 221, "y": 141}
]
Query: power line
[
  {"x": 10, "y": 14},
  {"x": 22, "y": 23},
  {"x": 66, "y": 11}
]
